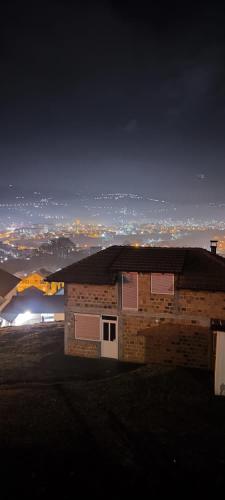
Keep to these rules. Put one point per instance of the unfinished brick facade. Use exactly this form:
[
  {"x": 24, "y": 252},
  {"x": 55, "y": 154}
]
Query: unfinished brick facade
[
  {"x": 188, "y": 346},
  {"x": 149, "y": 304},
  {"x": 88, "y": 299}
]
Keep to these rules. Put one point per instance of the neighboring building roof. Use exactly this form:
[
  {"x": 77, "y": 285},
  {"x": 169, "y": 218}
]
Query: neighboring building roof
[
  {"x": 36, "y": 304},
  {"x": 196, "y": 268},
  {"x": 7, "y": 282}
]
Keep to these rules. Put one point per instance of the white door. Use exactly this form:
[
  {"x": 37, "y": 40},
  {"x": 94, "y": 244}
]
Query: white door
[
  {"x": 220, "y": 364},
  {"x": 109, "y": 344}
]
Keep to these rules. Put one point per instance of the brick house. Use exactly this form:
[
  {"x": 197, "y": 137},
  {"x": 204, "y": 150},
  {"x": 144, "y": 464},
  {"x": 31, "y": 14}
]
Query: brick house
[{"x": 147, "y": 304}]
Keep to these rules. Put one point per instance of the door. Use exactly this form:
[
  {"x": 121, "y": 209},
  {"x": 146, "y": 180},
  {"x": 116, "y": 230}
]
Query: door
[
  {"x": 109, "y": 344},
  {"x": 220, "y": 364}
]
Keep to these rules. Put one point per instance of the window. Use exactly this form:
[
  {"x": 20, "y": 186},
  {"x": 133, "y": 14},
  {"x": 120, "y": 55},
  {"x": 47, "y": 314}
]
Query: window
[
  {"x": 130, "y": 291},
  {"x": 45, "y": 317},
  {"x": 109, "y": 327},
  {"x": 110, "y": 318},
  {"x": 162, "y": 283},
  {"x": 87, "y": 327}
]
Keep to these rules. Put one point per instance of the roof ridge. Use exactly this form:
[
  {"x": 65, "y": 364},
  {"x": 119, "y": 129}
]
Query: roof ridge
[{"x": 217, "y": 258}]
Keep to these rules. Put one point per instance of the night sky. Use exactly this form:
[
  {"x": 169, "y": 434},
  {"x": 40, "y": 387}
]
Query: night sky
[{"x": 114, "y": 96}]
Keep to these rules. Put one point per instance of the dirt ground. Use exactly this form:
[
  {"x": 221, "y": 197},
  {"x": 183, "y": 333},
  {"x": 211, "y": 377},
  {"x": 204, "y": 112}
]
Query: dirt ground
[{"x": 71, "y": 426}]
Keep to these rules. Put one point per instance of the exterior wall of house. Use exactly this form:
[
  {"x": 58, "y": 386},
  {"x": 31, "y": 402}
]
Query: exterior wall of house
[
  {"x": 188, "y": 346},
  {"x": 202, "y": 304},
  {"x": 183, "y": 346},
  {"x": 87, "y": 299},
  {"x": 191, "y": 347}
]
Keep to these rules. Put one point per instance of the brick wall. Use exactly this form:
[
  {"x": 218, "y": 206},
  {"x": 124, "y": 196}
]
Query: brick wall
[
  {"x": 183, "y": 302},
  {"x": 93, "y": 299},
  {"x": 131, "y": 346},
  {"x": 185, "y": 307},
  {"x": 145, "y": 342},
  {"x": 155, "y": 303},
  {"x": 202, "y": 304},
  {"x": 89, "y": 298},
  {"x": 84, "y": 349},
  {"x": 186, "y": 345}
]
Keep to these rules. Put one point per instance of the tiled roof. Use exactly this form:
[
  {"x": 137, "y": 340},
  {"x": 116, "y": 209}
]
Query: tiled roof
[
  {"x": 196, "y": 268},
  {"x": 96, "y": 269},
  {"x": 7, "y": 282},
  {"x": 150, "y": 259},
  {"x": 202, "y": 271}
]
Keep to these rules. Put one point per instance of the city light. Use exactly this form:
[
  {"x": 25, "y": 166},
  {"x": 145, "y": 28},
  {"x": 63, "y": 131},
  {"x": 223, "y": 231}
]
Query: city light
[{"x": 23, "y": 318}]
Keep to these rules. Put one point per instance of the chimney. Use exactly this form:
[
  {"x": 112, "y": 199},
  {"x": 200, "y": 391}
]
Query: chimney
[{"x": 213, "y": 246}]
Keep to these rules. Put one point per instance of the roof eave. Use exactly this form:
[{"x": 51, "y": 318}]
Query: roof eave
[{"x": 91, "y": 283}]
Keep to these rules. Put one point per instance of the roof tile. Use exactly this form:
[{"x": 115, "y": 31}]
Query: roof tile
[{"x": 197, "y": 269}]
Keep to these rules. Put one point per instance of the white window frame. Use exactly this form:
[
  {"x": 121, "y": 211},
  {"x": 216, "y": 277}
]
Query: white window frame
[
  {"x": 92, "y": 315},
  {"x": 130, "y": 308},
  {"x": 163, "y": 293},
  {"x": 115, "y": 321}
]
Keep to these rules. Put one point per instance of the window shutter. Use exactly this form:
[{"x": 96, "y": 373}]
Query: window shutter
[
  {"x": 162, "y": 283},
  {"x": 130, "y": 291},
  {"x": 87, "y": 327}
]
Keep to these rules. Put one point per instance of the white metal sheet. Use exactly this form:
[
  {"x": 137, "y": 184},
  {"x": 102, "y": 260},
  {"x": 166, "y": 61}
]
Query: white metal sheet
[{"x": 220, "y": 364}]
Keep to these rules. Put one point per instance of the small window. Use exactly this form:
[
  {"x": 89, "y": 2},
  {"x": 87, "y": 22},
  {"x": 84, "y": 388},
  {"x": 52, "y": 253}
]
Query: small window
[
  {"x": 110, "y": 318},
  {"x": 130, "y": 291},
  {"x": 162, "y": 283},
  {"x": 218, "y": 325}
]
